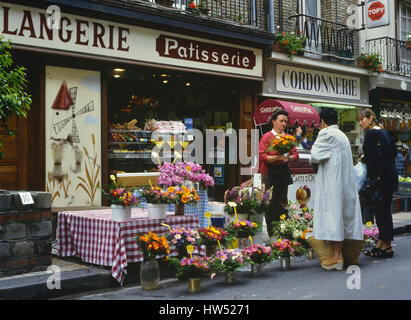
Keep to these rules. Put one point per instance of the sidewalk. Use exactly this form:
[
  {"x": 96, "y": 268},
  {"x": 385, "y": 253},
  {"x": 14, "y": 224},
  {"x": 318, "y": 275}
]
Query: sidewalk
[{"x": 78, "y": 277}]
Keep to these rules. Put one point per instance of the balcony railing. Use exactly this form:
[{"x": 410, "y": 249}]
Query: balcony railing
[
  {"x": 326, "y": 38},
  {"x": 244, "y": 12},
  {"x": 396, "y": 58}
]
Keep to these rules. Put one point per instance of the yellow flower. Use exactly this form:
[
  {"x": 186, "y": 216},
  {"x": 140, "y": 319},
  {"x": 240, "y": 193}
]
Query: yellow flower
[
  {"x": 369, "y": 224},
  {"x": 283, "y": 217}
]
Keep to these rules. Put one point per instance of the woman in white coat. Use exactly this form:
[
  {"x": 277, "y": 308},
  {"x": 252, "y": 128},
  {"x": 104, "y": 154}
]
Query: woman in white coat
[{"x": 337, "y": 211}]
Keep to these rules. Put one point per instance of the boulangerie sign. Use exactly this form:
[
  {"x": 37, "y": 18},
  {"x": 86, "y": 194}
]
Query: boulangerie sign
[
  {"x": 29, "y": 26},
  {"x": 377, "y": 13}
]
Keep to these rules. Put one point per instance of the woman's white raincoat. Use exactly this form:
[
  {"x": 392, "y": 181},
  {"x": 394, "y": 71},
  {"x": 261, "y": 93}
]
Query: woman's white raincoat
[{"x": 337, "y": 211}]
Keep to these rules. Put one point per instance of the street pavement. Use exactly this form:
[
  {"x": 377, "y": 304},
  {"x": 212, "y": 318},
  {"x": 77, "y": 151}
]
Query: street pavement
[
  {"x": 374, "y": 279},
  {"x": 380, "y": 279}
]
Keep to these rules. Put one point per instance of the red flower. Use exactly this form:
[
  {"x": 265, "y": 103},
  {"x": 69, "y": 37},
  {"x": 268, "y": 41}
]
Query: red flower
[
  {"x": 285, "y": 42},
  {"x": 192, "y": 5}
]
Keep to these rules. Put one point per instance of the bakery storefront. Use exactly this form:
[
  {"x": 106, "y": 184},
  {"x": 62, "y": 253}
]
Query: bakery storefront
[
  {"x": 100, "y": 87},
  {"x": 304, "y": 90}
]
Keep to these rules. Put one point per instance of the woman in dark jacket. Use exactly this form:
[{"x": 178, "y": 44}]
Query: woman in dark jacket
[{"x": 379, "y": 156}]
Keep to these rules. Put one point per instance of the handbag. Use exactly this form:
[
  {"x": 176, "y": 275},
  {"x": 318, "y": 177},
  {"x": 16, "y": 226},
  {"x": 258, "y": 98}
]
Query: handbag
[{"x": 370, "y": 193}]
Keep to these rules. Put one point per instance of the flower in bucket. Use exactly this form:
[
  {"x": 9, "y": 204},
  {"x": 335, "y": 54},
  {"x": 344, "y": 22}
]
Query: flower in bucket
[
  {"x": 157, "y": 195},
  {"x": 370, "y": 233},
  {"x": 174, "y": 174},
  {"x": 257, "y": 254},
  {"x": 182, "y": 237},
  {"x": 184, "y": 195},
  {"x": 242, "y": 229},
  {"x": 152, "y": 245},
  {"x": 282, "y": 143},
  {"x": 212, "y": 235},
  {"x": 249, "y": 200},
  {"x": 120, "y": 196},
  {"x": 286, "y": 248},
  {"x": 193, "y": 267},
  {"x": 227, "y": 260}
]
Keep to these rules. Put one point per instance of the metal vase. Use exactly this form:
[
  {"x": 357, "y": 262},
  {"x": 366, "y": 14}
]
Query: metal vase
[
  {"x": 230, "y": 277},
  {"x": 194, "y": 285},
  {"x": 256, "y": 270},
  {"x": 285, "y": 263}
]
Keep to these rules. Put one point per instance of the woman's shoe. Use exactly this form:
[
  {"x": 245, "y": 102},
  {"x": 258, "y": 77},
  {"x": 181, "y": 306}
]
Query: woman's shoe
[
  {"x": 374, "y": 252},
  {"x": 333, "y": 263},
  {"x": 386, "y": 255}
]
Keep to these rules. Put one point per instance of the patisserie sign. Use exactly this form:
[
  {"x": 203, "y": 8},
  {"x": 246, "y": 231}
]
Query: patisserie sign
[{"x": 35, "y": 27}]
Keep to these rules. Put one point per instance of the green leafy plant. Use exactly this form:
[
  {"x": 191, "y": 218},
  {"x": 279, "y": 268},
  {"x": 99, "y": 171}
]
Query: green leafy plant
[
  {"x": 292, "y": 42},
  {"x": 192, "y": 7},
  {"x": 14, "y": 100},
  {"x": 372, "y": 61}
]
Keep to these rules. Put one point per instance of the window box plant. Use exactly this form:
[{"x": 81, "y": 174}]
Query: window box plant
[
  {"x": 408, "y": 42},
  {"x": 371, "y": 61},
  {"x": 290, "y": 42}
]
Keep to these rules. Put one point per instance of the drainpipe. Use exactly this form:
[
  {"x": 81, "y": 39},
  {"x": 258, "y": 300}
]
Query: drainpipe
[{"x": 271, "y": 17}]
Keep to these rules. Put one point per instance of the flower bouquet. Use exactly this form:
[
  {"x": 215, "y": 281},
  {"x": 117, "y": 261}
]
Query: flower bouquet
[
  {"x": 284, "y": 248},
  {"x": 181, "y": 238},
  {"x": 282, "y": 143},
  {"x": 257, "y": 254},
  {"x": 371, "y": 61},
  {"x": 302, "y": 220},
  {"x": 370, "y": 233},
  {"x": 156, "y": 195},
  {"x": 175, "y": 174},
  {"x": 184, "y": 195},
  {"x": 287, "y": 228},
  {"x": 249, "y": 200},
  {"x": 242, "y": 229},
  {"x": 211, "y": 236},
  {"x": 152, "y": 245},
  {"x": 192, "y": 267},
  {"x": 227, "y": 260}
]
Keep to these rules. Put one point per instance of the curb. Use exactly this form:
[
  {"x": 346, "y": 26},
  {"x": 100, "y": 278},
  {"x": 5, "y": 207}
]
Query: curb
[{"x": 33, "y": 287}]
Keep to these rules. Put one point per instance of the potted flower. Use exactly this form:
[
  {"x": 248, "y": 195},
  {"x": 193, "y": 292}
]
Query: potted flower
[
  {"x": 408, "y": 42},
  {"x": 285, "y": 249},
  {"x": 184, "y": 196},
  {"x": 192, "y": 268},
  {"x": 202, "y": 6},
  {"x": 246, "y": 200},
  {"x": 192, "y": 7},
  {"x": 372, "y": 61},
  {"x": 242, "y": 230},
  {"x": 157, "y": 200},
  {"x": 153, "y": 247},
  {"x": 181, "y": 238},
  {"x": 210, "y": 237},
  {"x": 121, "y": 201},
  {"x": 257, "y": 255},
  {"x": 290, "y": 42},
  {"x": 229, "y": 261},
  {"x": 370, "y": 234}
]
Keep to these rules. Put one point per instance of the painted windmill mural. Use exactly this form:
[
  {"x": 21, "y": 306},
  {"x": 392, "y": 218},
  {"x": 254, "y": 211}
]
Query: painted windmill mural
[
  {"x": 64, "y": 100},
  {"x": 73, "y": 170}
]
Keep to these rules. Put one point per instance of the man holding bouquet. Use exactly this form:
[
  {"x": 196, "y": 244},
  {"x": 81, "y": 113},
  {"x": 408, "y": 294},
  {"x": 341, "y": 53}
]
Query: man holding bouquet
[{"x": 276, "y": 150}]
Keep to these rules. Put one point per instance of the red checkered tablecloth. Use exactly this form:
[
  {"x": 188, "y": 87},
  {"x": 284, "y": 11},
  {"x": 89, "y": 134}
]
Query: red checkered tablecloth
[{"x": 95, "y": 238}]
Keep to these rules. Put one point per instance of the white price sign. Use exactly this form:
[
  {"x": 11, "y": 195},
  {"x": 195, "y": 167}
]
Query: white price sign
[{"x": 26, "y": 198}]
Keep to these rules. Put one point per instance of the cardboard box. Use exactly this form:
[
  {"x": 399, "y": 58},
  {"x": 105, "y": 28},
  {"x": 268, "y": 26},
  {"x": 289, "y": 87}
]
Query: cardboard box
[{"x": 137, "y": 178}]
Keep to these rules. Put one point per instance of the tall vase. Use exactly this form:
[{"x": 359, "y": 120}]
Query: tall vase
[
  {"x": 285, "y": 263},
  {"x": 230, "y": 277},
  {"x": 243, "y": 243},
  {"x": 211, "y": 250},
  {"x": 194, "y": 285},
  {"x": 156, "y": 211},
  {"x": 149, "y": 274},
  {"x": 120, "y": 213},
  {"x": 179, "y": 209},
  {"x": 256, "y": 270}
]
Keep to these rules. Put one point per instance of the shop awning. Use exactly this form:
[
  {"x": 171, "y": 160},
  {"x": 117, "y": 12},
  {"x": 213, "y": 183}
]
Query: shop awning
[{"x": 298, "y": 113}]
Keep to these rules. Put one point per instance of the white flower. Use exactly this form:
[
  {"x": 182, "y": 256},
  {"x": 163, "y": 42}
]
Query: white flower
[{"x": 178, "y": 236}]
